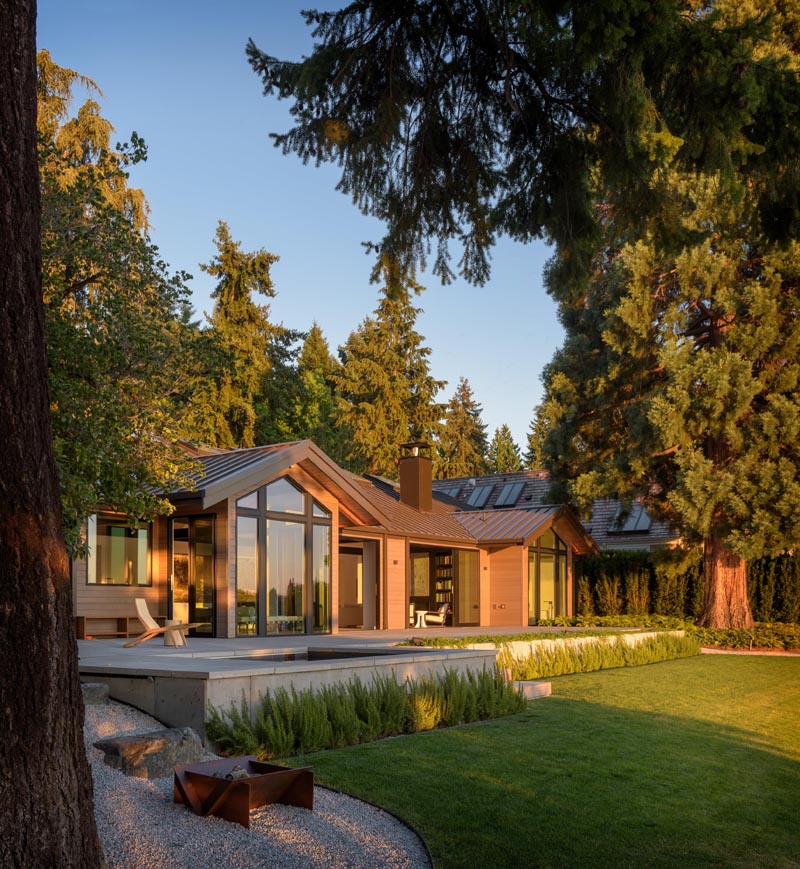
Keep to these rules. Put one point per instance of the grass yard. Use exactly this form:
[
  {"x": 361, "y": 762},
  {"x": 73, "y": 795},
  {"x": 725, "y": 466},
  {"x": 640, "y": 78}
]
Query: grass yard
[{"x": 694, "y": 762}]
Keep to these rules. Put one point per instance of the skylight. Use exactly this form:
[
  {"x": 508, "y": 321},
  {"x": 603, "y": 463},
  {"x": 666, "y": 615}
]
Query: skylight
[
  {"x": 479, "y": 496},
  {"x": 509, "y": 494},
  {"x": 630, "y": 521}
]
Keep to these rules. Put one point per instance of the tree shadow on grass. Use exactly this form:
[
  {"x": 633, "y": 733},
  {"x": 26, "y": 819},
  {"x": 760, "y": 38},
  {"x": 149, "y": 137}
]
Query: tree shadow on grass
[{"x": 575, "y": 783}]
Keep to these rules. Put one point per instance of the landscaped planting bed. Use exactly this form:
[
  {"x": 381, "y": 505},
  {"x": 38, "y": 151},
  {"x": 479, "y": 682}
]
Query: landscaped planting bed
[{"x": 292, "y": 722}]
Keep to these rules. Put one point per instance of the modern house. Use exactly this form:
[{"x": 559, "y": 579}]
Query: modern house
[
  {"x": 609, "y": 525},
  {"x": 279, "y": 540}
]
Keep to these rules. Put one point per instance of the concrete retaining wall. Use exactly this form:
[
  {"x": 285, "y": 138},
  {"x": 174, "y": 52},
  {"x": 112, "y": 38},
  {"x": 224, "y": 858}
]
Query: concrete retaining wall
[
  {"x": 520, "y": 650},
  {"x": 180, "y": 699}
]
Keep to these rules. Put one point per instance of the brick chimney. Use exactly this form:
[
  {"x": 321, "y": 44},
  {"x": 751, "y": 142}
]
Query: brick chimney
[{"x": 415, "y": 476}]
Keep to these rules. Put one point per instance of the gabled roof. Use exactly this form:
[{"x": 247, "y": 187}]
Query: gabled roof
[
  {"x": 496, "y": 527},
  {"x": 228, "y": 472}
]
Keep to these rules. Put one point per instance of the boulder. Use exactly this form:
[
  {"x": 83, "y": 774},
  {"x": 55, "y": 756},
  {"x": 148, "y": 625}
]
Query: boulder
[
  {"x": 152, "y": 755},
  {"x": 94, "y": 693}
]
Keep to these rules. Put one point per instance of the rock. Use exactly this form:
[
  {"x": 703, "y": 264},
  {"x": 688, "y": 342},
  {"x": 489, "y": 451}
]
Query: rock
[
  {"x": 152, "y": 755},
  {"x": 94, "y": 693}
]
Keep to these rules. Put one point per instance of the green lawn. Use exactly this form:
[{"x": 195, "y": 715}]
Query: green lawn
[{"x": 693, "y": 762}]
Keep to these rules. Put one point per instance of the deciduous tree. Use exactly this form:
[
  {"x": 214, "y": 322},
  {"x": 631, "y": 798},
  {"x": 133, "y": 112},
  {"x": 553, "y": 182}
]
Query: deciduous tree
[{"x": 115, "y": 317}]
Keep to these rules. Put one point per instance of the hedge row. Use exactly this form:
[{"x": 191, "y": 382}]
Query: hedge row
[
  {"x": 290, "y": 723},
  {"x": 670, "y": 583}
]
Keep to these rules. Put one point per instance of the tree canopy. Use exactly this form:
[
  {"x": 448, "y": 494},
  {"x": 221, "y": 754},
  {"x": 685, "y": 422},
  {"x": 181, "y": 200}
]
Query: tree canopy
[
  {"x": 503, "y": 452},
  {"x": 462, "y": 446},
  {"x": 678, "y": 383},
  {"x": 385, "y": 390},
  {"x": 114, "y": 315},
  {"x": 457, "y": 121}
]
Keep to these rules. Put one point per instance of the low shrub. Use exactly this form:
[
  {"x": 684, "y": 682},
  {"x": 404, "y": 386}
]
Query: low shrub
[
  {"x": 561, "y": 659},
  {"x": 763, "y": 635},
  {"x": 287, "y": 724}
]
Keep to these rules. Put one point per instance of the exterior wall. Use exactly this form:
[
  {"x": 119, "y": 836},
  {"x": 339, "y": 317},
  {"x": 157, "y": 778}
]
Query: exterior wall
[
  {"x": 485, "y": 573},
  {"x": 396, "y": 586},
  {"x": 107, "y": 603},
  {"x": 509, "y": 587}
]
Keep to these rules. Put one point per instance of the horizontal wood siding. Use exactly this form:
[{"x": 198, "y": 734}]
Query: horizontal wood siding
[
  {"x": 396, "y": 593},
  {"x": 509, "y": 577}
]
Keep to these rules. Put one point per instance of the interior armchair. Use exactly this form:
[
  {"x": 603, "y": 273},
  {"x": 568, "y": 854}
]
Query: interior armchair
[{"x": 439, "y": 617}]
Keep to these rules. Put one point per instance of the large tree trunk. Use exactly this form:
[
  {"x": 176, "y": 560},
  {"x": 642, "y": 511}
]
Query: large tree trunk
[
  {"x": 46, "y": 816},
  {"x": 726, "y": 602}
]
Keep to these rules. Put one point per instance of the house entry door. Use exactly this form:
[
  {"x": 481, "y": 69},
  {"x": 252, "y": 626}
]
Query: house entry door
[{"x": 192, "y": 572}]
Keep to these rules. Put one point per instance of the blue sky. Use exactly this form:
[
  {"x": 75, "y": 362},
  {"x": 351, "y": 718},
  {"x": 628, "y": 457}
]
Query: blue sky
[{"x": 176, "y": 73}]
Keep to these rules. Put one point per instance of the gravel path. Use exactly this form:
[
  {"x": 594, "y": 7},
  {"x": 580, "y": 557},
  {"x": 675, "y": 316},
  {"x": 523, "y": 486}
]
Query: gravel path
[{"x": 140, "y": 826}]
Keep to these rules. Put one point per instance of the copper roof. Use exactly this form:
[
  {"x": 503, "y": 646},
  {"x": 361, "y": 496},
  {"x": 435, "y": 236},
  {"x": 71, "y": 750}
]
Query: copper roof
[{"x": 402, "y": 519}]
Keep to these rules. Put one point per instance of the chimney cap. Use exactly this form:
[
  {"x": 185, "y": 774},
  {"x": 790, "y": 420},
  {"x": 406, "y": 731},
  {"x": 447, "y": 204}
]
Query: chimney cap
[{"x": 415, "y": 448}]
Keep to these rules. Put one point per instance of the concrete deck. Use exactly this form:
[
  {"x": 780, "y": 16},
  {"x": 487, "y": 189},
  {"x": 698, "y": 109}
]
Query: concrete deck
[
  {"x": 178, "y": 685},
  {"x": 199, "y": 656}
]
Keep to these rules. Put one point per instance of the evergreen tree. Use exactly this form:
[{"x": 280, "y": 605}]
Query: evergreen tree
[
  {"x": 537, "y": 433},
  {"x": 465, "y": 120},
  {"x": 316, "y": 404},
  {"x": 385, "y": 391},
  {"x": 117, "y": 339},
  {"x": 222, "y": 411},
  {"x": 503, "y": 452},
  {"x": 462, "y": 445}
]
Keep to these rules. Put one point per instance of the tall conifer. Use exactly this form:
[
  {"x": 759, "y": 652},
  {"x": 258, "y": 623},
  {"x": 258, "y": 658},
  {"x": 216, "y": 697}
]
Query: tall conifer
[
  {"x": 503, "y": 452},
  {"x": 462, "y": 445},
  {"x": 385, "y": 390}
]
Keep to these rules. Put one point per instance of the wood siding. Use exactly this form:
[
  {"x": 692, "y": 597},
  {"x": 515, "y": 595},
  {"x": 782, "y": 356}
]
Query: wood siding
[
  {"x": 396, "y": 586},
  {"x": 509, "y": 586}
]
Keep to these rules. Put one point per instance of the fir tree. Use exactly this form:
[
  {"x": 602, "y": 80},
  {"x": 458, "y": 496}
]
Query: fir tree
[
  {"x": 462, "y": 445},
  {"x": 503, "y": 452},
  {"x": 222, "y": 411},
  {"x": 386, "y": 393},
  {"x": 316, "y": 403},
  {"x": 537, "y": 434},
  {"x": 678, "y": 381}
]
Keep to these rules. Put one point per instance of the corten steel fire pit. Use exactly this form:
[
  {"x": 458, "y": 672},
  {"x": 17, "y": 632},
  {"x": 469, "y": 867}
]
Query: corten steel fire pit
[{"x": 260, "y": 784}]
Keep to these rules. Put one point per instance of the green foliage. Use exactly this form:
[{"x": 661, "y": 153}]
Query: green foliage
[
  {"x": 221, "y": 408},
  {"x": 233, "y": 730},
  {"x": 503, "y": 453},
  {"x": 118, "y": 339},
  {"x": 385, "y": 390},
  {"x": 462, "y": 446},
  {"x": 288, "y": 723},
  {"x": 558, "y": 659},
  {"x": 760, "y": 636}
]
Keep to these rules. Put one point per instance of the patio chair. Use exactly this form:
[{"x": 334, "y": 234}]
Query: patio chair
[
  {"x": 411, "y": 615},
  {"x": 439, "y": 617},
  {"x": 153, "y": 629}
]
